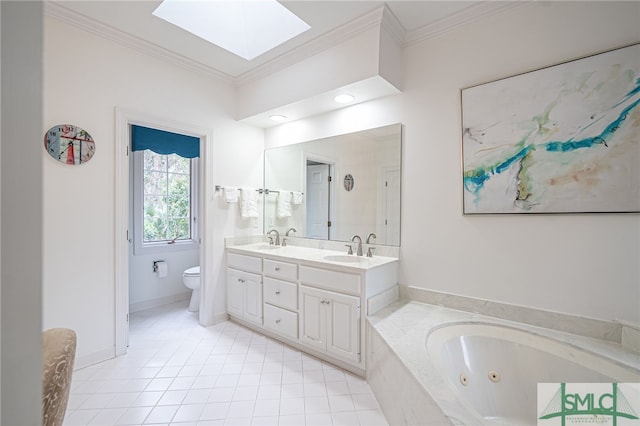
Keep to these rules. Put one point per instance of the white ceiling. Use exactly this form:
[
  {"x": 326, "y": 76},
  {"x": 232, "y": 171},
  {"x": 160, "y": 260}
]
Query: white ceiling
[
  {"x": 131, "y": 22},
  {"x": 134, "y": 18}
]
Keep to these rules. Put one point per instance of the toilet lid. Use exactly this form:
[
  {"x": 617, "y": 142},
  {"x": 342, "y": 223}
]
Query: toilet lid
[{"x": 192, "y": 271}]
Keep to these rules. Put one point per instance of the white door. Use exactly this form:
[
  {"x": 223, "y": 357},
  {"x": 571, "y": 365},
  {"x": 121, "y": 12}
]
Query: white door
[
  {"x": 391, "y": 201},
  {"x": 318, "y": 201},
  {"x": 252, "y": 298},
  {"x": 343, "y": 325},
  {"x": 235, "y": 299},
  {"x": 312, "y": 317}
]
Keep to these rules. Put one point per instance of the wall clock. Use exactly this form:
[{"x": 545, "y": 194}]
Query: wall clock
[{"x": 69, "y": 144}]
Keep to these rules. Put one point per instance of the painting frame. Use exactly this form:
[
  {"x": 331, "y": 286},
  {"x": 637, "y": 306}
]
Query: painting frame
[{"x": 560, "y": 139}]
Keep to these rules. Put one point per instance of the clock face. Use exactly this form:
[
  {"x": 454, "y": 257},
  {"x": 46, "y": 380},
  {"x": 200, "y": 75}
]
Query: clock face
[{"x": 69, "y": 144}]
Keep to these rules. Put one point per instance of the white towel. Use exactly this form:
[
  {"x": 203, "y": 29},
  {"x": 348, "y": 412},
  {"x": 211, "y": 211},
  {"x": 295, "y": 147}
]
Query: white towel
[
  {"x": 231, "y": 195},
  {"x": 249, "y": 204},
  {"x": 297, "y": 198},
  {"x": 283, "y": 208}
]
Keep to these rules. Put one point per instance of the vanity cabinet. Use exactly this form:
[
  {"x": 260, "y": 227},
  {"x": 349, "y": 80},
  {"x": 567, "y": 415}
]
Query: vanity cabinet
[
  {"x": 245, "y": 295},
  {"x": 244, "y": 287},
  {"x": 281, "y": 297},
  {"x": 330, "y": 322},
  {"x": 315, "y": 305}
]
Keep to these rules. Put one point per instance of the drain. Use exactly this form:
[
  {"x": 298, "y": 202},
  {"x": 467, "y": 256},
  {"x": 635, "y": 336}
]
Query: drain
[
  {"x": 494, "y": 376},
  {"x": 463, "y": 379}
]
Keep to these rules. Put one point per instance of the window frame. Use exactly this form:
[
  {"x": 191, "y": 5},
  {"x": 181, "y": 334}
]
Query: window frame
[{"x": 139, "y": 246}]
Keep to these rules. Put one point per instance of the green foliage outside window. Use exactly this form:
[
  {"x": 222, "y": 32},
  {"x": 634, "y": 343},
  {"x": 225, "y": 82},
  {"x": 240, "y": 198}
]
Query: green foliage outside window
[{"x": 167, "y": 197}]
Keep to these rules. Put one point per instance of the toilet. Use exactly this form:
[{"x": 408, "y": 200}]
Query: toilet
[{"x": 191, "y": 279}]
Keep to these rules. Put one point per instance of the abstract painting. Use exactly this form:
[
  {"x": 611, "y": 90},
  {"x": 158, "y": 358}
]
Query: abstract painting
[{"x": 562, "y": 139}]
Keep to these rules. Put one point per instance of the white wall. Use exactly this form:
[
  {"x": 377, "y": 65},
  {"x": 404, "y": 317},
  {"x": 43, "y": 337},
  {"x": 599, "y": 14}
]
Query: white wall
[
  {"x": 21, "y": 224},
  {"x": 147, "y": 290},
  {"x": 85, "y": 78},
  {"x": 583, "y": 264}
]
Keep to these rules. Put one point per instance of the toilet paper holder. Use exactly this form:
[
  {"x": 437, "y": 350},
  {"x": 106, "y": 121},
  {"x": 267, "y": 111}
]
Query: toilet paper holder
[{"x": 155, "y": 265}]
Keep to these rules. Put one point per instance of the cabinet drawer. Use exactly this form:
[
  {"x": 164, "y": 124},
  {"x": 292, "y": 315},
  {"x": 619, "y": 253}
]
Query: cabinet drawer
[
  {"x": 275, "y": 268},
  {"x": 246, "y": 263},
  {"x": 281, "y": 321},
  {"x": 281, "y": 293},
  {"x": 330, "y": 280}
]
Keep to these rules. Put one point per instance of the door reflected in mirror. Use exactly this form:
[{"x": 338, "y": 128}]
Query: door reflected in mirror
[{"x": 307, "y": 189}]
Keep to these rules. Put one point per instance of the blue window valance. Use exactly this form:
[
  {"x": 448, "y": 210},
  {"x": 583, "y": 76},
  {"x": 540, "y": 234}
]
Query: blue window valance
[{"x": 165, "y": 143}]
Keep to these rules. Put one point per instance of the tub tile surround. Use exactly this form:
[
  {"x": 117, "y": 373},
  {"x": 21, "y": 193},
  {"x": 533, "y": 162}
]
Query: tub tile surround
[
  {"x": 598, "y": 329},
  {"x": 402, "y": 398},
  {"x": 631, "y": 336},
  {"x": 399, "y": 331}
]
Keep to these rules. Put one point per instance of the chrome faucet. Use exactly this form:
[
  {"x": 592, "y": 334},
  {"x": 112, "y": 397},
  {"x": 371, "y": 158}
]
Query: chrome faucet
[
  {"x": 359, "y": 250},
  {"x": 277, "y": 235},
  {"x": 284, "y": 239},
  {"x": 371, "y": 235}
]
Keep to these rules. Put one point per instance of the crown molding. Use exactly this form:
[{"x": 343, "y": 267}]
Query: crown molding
[
  {"x": 459, "y": 19},
  {"x": 83, "y": 22},
  {"x": 381, "y": 18},
  {"x": 392, "y": 26},
  {"x": 323, "y": 42}
]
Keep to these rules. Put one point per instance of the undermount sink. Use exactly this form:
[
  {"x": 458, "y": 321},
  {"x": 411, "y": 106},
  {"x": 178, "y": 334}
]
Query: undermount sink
[
  {"x": 268, "y": 247},
  {"x": 345, "y": 258}
]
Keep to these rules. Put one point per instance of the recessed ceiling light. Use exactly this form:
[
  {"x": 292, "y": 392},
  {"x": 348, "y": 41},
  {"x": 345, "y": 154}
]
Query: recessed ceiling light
[
  {"x": 344, "y": 99},
  {"x": 246, "y": 28},
  {"x": 278, "y": 117}
]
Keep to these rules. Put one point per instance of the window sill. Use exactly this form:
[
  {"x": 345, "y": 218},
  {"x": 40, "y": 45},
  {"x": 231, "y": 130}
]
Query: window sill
[{"x": 155, "y": 248}]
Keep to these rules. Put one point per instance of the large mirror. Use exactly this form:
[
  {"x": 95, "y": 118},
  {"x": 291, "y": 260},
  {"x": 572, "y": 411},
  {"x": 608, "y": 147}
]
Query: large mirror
[{"x": 337, "y": 187}]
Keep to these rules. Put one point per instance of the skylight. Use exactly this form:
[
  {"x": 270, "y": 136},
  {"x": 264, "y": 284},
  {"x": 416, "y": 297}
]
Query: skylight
[{"x": 247, "y": 28}]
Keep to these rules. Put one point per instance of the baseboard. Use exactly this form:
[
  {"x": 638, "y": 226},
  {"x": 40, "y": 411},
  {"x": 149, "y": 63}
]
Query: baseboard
[
  {"x": 161, "y": 301},
  {"x": 93, "y": 358},
  {"x": 222, "y": 317}
]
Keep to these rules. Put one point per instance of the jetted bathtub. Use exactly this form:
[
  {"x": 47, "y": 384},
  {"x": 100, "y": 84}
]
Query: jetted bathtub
[
  {"x": 493, "y": 370},
  {"x": 431, "y": 365}
]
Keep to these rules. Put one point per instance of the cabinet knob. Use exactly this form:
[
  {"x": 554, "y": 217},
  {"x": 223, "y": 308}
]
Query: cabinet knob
[
  {"x": 277, "y": 292},
  {"x": 277, "y": 268},
  {"x": 278, "y": 321}
]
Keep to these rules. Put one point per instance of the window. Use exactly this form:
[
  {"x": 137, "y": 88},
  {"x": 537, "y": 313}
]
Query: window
[{"x": 165, "y": 193}]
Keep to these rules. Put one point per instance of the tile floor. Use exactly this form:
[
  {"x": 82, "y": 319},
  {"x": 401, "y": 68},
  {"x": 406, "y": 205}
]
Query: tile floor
[{"x": 177, "y": 372}]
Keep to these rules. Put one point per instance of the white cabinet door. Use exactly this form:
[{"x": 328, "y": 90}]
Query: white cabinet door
[
  {"x": 330, "y": 322},
  {"x": 343, "y": 325},
  {"x": 253, "y": 298},
  {"x": 312, "y": 317},
  {"x": 235, "y": 298},
  {"x": 244, "y": 295}
]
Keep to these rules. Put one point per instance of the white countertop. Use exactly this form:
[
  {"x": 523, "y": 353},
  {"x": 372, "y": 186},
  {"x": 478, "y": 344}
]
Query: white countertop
[{"x": 320, "y": 257}]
